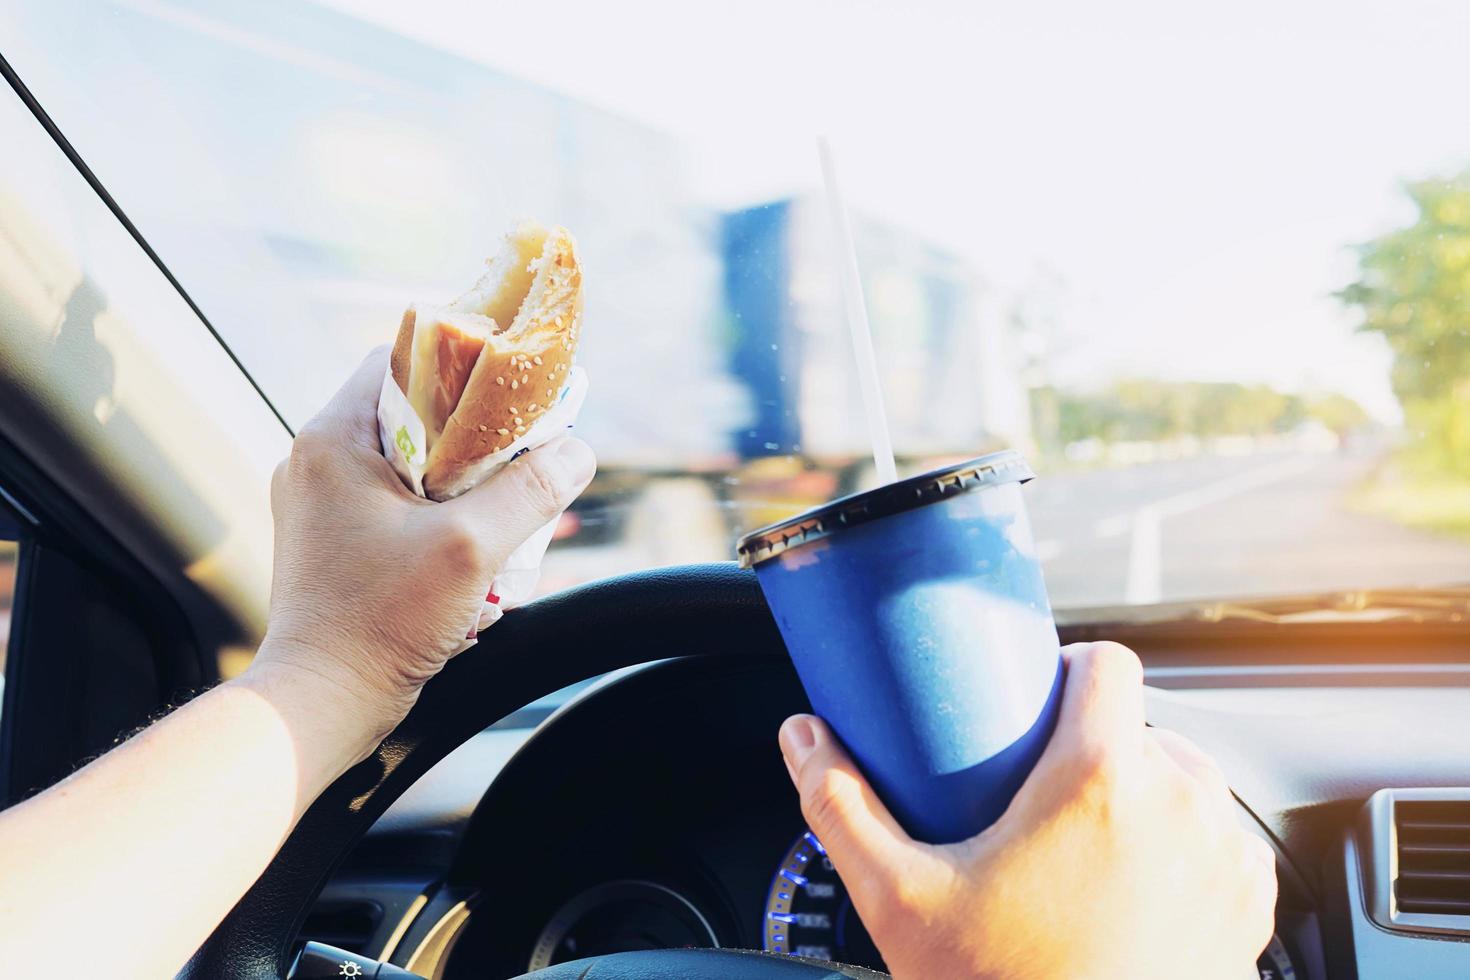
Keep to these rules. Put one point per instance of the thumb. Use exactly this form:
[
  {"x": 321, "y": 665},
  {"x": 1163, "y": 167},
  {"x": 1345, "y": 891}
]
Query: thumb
[
  {"x": 870, "y": 850},
  {"x": 525, "y": 496}
]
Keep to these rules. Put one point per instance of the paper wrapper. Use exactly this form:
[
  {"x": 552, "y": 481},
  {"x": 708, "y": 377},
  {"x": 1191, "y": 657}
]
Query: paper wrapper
[{"x": 403, "y": 437}]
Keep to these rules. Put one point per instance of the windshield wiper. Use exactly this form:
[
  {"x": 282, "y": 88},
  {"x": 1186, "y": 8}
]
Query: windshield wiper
[{"x": 1438, "y": 605}]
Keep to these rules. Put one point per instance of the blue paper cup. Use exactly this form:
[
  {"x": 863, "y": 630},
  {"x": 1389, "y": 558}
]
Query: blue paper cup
[{"x": 918, "y": 622}]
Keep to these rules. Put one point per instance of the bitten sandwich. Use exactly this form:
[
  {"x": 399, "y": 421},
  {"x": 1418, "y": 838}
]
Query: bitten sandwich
[{"x": 480, "y": 371}]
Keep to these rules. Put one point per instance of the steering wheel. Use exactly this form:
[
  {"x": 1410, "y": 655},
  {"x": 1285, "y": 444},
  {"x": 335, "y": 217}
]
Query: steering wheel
[{"x": 591, "y": 629}]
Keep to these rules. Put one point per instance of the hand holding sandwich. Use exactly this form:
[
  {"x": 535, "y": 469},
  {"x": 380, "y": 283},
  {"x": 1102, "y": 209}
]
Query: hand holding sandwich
[
  {"x": 380, "y": 625},
  {"x": 470, "y": 482}
]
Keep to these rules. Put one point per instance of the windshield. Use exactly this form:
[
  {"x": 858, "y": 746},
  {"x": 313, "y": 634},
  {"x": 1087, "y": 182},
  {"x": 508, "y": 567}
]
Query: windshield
[{"x": 1207, "y": 266}]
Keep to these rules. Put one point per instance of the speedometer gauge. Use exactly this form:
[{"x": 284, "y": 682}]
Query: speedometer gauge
[{"x": 808, "y": 913}]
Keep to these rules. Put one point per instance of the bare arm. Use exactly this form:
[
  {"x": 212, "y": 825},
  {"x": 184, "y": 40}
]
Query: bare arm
[
  {"x": 138, "y": 856},
  {"x": 127, "y": 866}
]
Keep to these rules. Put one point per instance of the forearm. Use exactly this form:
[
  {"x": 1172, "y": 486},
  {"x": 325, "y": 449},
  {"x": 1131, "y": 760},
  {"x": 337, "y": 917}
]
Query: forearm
[{"x": 134, "y": 860}]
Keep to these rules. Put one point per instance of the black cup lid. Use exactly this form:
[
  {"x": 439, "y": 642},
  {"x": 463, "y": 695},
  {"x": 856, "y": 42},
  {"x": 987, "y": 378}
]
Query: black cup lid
[{"x": 1006, "y": 466}]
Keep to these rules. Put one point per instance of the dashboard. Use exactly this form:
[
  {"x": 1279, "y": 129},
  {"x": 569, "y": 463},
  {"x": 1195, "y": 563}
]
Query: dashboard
[{"x": 653, "y": 811}]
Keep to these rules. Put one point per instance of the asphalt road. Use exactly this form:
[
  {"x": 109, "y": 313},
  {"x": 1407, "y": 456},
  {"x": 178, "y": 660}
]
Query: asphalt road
[{"x": 1211, "y": 527}]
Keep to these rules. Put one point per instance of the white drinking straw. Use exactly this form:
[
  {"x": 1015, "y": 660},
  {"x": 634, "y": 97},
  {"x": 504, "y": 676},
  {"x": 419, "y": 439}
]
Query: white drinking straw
[{"x": 857, "y": 322}]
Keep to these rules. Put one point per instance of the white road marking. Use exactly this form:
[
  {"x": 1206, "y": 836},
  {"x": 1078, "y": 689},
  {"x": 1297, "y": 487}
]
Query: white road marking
[
  {"x": 1145, "y": 551},
  {"x": 1145, "y": 584}
]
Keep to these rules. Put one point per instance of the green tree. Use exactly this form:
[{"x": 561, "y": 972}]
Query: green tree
[
  {"x": 1337, "y": 412},
  {"x": 1413, "y": 288},
  {"x": 1150, "y": 409}
]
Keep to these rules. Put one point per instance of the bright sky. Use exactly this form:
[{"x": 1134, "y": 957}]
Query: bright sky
[{"x": 1193, "y": 174}]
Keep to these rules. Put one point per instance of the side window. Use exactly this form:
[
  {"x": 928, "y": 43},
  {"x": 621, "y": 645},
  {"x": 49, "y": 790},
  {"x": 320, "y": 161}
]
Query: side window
[{"x": 87, "y": 652}]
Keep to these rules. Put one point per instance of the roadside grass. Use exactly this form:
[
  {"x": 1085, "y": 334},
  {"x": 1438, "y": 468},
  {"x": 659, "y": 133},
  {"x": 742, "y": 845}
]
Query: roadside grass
[{"x": 1430, "y": 502}]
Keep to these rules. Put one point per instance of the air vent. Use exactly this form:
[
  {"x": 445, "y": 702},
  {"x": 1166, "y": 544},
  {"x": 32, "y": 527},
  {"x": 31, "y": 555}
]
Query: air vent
[
  {"x": 1433, "y": 845},
  {"x": 348, "y": 925},
  {"x": 1419, "y": 856}
]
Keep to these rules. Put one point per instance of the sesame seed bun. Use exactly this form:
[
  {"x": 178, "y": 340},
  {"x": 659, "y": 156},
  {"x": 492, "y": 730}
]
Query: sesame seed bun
[
  {"x": 521, "y": 321},
  {"x": 399, "y": 360}
]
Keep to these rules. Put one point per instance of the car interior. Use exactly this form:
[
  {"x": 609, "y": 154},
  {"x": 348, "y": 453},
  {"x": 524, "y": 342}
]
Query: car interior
[{"x": 600, "y": 774}]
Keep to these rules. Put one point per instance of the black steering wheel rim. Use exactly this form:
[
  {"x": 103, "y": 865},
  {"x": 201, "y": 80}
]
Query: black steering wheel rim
[
  {"x": 702, "y": 964},
  {"x": 592, "y": 629}
]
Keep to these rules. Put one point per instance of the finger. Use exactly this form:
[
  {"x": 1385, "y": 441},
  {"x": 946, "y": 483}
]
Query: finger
[
  {"x": 1198, "y": 772},
  {"x": 352, "y": 414},
  {"x": 1193, "y": 760},
  {"x": 1102, "y": 702},
  {"x": 1260, "y": 912},
  {"x": 525, "y": 496},
  {"x": 866, "y": 844},
  {"x": 278, "y": 485}
]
